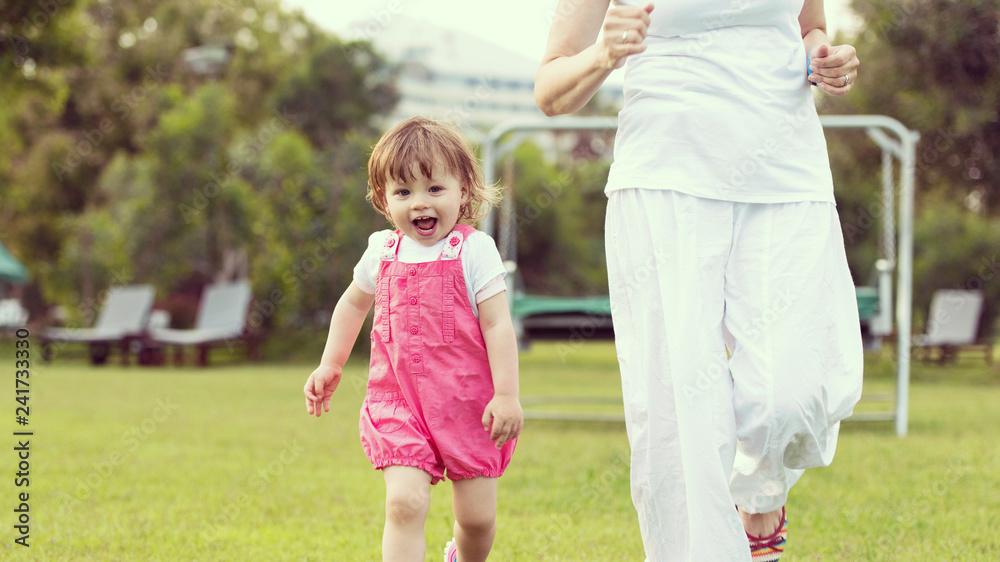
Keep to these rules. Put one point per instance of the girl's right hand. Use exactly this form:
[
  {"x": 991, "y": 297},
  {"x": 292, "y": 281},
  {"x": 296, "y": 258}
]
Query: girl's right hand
[
  {"x": 319, "y": 388},
  {"x": 623, "y": 32}
]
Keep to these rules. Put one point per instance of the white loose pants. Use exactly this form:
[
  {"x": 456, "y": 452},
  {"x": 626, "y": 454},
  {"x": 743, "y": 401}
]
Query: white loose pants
[{"x": 708, "y": 429}]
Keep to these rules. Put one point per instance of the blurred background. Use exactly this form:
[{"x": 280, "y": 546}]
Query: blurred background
[{"x": 181, "y": 144}]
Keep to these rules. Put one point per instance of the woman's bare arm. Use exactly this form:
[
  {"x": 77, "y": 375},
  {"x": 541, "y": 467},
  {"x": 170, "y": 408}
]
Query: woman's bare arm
[{"x": 575, "y": 64}]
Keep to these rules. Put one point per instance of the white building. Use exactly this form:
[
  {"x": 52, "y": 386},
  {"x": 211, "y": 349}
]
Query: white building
[{"x": 447, "y": 74}]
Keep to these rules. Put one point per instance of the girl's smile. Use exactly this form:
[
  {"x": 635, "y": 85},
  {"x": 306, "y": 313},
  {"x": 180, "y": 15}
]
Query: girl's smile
[
  {"x": 425, "y": 225},
  {"x": 426, "y": 208}
]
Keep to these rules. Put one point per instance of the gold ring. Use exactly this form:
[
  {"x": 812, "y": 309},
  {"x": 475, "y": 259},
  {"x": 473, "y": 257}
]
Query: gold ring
[{"x": 625, "y": 36}]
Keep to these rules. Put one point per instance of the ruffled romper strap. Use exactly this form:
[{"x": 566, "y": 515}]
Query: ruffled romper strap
[
  {"x": 389, "y": 251},
  {"x": 451, "y": 251}
]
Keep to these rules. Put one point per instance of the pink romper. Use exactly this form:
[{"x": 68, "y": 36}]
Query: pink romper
[{"x": 429, "y": 379}]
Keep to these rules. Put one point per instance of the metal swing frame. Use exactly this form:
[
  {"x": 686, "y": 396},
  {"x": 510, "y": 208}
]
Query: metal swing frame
[{"x": 897, "y": 143}]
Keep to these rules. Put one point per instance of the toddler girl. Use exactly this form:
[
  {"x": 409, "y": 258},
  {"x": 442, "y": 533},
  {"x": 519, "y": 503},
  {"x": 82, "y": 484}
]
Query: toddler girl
[{"x": 442, "y": 396}]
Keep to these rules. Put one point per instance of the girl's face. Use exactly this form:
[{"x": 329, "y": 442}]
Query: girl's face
[{"x": 426, "y": 209}]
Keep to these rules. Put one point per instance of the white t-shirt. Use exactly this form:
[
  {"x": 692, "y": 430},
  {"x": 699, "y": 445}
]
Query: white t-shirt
[
  {"x": 718, "y": 106},
  {"x": 481, "y": 264}
]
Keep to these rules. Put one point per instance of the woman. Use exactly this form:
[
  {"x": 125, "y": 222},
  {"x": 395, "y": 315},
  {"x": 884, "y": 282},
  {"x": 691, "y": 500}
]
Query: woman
[{"x": 722, "y": 233}]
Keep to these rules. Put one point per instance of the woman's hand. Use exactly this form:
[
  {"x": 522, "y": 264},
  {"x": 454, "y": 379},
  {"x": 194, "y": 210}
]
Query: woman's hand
[
  {"x": 578, "y": 59},
  {"x": 623, "y": 32},
  {"x": 834, "y": 69}
]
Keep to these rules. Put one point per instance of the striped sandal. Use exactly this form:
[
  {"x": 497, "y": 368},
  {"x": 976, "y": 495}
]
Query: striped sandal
[{"x": 769, "y": 548}]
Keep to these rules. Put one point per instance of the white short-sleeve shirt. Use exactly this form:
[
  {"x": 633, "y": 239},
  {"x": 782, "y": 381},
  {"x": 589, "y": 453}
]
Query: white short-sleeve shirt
[
  {"x": 718, "y": 106},
  {"x": 481, "y": 264}
]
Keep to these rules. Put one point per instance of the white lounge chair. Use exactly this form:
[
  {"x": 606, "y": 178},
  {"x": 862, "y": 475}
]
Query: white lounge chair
[
  {"x": 222, "y": 315},
  {"x": 122, "y": 319},
  {"x": 12, "y": 314},
  {"x": 952, "y": 325}
]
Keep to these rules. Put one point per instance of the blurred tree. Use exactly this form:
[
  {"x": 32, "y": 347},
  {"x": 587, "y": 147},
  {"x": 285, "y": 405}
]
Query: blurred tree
[
  {"x": 942, "y": 60},
  {"x": 170, "y": 210},
  {"x": 935, "y": 66},
  {"x": 121, "y": 164},
  {"x": 560, "y": 224},
  {"x": 955, "y": 249},
  {"x": 38, "y": 42},
  {"x": 339, "y": 86},
  {"x": 312, "y": 227}
]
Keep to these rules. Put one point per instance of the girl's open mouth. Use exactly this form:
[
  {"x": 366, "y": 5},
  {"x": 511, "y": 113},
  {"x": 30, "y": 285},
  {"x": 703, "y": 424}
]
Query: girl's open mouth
[{"x": 425, "y": 225}]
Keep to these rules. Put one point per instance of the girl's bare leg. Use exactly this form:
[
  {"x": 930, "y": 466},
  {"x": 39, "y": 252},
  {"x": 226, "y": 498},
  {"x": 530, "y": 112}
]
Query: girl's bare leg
[
  {"x": 474, "y": 502},
  {"x": 407, "y": 501}
]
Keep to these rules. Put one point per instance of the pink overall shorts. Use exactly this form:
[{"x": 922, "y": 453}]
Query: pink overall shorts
[{"x": 429, "y": 379}]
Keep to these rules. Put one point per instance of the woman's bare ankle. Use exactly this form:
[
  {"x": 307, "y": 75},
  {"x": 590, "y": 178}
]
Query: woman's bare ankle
[{"x": 761, "y": 524}]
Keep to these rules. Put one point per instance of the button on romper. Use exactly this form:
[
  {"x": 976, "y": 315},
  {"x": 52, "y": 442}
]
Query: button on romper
[{"x": 429, "y": 380}]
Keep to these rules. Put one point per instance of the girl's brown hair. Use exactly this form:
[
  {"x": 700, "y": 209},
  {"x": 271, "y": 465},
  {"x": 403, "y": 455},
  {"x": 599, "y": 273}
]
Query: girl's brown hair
[{"x": 424, "y": 142}]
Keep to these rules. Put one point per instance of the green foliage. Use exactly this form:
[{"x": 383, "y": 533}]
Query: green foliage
[
  {"x": 933, "y": 65},
  {"x": 312, "y": 223},
  {"x": 955, "y": 249},
  {"x": 560, "y": 224},
  {"x": 122, "y": 164},
  {"x": 339, "y": 86}
]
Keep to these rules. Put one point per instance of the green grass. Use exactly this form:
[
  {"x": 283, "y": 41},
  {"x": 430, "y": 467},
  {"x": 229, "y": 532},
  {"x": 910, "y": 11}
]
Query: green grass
[{"x": 224, "y": 464}]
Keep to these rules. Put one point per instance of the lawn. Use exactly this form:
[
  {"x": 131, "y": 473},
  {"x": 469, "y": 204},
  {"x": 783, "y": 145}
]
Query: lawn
[{"x": 224, "y": 464}]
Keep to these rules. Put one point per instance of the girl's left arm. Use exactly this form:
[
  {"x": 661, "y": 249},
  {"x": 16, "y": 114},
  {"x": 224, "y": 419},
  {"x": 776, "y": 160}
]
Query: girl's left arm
[
  {"x": 832, "y": 68},
  {"x": 503, "y": 417}
]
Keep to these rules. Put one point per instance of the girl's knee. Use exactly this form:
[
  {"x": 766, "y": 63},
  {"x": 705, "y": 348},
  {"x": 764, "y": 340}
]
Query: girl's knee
[
  {"x": 476, "y": 522},
  {"x": 404, "y": 508},
  {"x": 475, "y": 504}
]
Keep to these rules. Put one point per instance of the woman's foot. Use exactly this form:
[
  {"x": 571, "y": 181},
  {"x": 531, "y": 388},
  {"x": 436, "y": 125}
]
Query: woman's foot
[
  {"x": 761, "y": 524},
  {"x": 767, "y": 534}
]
